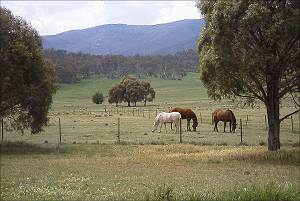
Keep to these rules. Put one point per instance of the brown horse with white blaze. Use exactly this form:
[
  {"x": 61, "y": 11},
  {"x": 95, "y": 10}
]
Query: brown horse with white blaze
[
  {"x": 187, "y": 114},
  {"x": 225, "y": 116}
]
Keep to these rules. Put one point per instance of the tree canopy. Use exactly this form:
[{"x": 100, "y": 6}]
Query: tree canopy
[
  {"x": 131, "y": 90},
  {"x": 27, "y": 81},
  {"x": 250, "y": 49}
]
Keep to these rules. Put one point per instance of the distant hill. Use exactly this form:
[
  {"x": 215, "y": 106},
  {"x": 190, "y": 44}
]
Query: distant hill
[{"x": 123, "y": 39}]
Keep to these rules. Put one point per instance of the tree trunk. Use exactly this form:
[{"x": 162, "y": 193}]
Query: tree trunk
[
  {"x": 134, "y": 104},
  {"x": 274, "y": 130},
  {"x": 272, "y": 105},
  {"x": 128, "y": 103},
  {"x": 145, "y": 102}
]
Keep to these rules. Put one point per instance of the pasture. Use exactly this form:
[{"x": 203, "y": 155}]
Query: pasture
[
  {"x": 85, "y": 122},
  {"x": 90, "y": 165}
]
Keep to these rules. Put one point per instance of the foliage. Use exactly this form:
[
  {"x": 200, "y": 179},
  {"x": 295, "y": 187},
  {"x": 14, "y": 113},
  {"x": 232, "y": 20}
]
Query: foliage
[
  {"x": 73, "y": 66},
  {"x": 98, "y": 98},
  {"x": 27, "y": 81},
  {"x": 131, "y": 90},
  {"x": 251, "y": 49},
  {"x": 116, "y": 94}
]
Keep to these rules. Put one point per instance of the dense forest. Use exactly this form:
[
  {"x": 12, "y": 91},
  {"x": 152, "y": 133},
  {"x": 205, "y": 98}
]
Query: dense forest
[{"x": 71, "y": 67}]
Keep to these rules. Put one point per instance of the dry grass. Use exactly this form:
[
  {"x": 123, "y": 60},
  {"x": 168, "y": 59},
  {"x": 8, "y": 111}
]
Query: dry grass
[{"x": 101, "y": 172}]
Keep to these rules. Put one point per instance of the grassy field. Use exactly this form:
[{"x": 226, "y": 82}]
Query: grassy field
[
  {"x": 84, "y": 122},
  {"x": 89, "y": 165},
  {"x": 148, "y": 172}
]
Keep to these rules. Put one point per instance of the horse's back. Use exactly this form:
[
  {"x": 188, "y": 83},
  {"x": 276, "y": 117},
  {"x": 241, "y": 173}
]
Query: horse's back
[
  {"x": 185, "y": 113},
  {"x": 223, "y": 115},
  {"x": 170, "y": 117}
]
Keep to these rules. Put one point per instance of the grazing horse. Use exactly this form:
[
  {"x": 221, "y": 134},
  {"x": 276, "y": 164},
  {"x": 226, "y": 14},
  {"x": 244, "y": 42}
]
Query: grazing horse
[
  {"x": 187, "y": 114},
  {"x": 164, "y": 117},
  {"x": 225, "y": 116}
]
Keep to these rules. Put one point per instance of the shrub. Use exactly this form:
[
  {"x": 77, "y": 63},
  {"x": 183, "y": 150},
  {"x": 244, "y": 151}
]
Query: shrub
[
  {"x": 262, "y": 143},
  {"x": 98, "y": 98}
]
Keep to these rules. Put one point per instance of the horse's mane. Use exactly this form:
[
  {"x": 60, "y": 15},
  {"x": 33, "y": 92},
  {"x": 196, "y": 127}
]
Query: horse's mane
[{"x": 233, "y": 117}]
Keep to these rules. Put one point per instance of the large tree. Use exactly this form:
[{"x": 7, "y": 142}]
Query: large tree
[
  {"x": 27, "y": 82},
  {"x": 149, "y": 92},
  {"x": 116, "y": 94},
  {"x": 134, "y": 90},
  {"x": 250, "y": 49}
]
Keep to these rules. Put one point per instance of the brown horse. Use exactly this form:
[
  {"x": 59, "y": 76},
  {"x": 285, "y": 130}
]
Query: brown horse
[
  {"x": 225, "y": 116},
  {"x": 187, "y": 114}
]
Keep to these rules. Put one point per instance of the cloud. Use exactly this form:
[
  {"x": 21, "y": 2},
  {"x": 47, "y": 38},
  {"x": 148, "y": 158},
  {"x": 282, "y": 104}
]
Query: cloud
[{"x": 51, "y": 17}]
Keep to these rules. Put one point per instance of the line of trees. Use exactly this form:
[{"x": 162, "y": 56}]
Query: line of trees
[
  {"x": 71, "y": 67},
  {"x": 131, "y": 90}
]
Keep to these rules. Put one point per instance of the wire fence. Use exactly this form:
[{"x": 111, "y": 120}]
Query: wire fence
[{"x": 133, "y": 126}]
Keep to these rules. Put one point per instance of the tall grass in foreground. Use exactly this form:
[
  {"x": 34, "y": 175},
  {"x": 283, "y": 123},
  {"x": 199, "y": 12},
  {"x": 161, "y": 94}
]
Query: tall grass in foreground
[{"x": 269, "y": 192}]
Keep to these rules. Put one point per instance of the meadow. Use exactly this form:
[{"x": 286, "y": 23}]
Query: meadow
[
  {"x": 85, "y": 122},
  {"x": 91, "y": 165}
]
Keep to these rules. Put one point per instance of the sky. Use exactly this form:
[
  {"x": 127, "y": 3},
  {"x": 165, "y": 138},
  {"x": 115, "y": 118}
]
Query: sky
[{"x": 52, "y": 17}]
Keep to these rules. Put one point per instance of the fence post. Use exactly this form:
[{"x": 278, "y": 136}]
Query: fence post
[
  {"x": 266, "y": 122},
  {"x": 247, "y": 120},
  {"x": 292, "y": 123},
  {"x": 241, "y": 126},
  {"x": 59, "y": 130},
  {"x": 105, "y": 108},
  {"x": 118, "y": 131},
  {"x": 2, "y": 129},
  {"x": 180, "y": 131},
  {"x": 132, "y": 111}
]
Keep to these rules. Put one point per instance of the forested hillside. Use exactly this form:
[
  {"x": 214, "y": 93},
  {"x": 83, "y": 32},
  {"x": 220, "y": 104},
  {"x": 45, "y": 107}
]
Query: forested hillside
[
  {"x": 71, "y": 67},
  {"x": 123, "y": 39}
]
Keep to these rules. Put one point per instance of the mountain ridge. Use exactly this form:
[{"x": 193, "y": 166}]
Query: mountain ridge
[{"x": 165, "y": 38}]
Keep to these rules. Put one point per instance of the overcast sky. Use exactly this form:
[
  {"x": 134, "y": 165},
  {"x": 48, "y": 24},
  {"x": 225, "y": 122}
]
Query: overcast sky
[{"x": 51, "y": 17}]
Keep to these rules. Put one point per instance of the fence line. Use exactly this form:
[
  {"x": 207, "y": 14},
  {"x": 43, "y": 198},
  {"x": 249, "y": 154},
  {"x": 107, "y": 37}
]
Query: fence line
[{"x": 249, "y": 121}]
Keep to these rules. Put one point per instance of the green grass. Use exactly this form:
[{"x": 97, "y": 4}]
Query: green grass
[
  {"x": 268, "y": 192},
  {"x": 85, "y": 122},
  {"x": 149, "y": 166}
]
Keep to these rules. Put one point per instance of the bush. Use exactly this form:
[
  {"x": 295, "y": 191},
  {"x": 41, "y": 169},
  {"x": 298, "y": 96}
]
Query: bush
[{"x": 98, "y": 98}]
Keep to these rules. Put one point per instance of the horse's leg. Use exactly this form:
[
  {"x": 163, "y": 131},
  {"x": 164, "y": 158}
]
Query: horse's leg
[
  {"x": 224, "y": 126},
  {"x": 160, "y": 127},
  {"x": 165, "y": 128},
  {"x": 188, "y": 127},
  {"x": 230, "y": 126},
  {"x": 177, "y": 126},
  {"x": 216, "y": 126}
]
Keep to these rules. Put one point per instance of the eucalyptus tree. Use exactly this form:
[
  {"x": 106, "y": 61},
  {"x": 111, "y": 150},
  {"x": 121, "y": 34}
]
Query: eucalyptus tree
[
  {"x": 250, "y": 49},
  {"x": 27, "y": 81}
]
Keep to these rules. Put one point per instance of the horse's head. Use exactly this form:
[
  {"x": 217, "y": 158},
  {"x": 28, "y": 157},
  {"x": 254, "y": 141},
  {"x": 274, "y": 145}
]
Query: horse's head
[
  {"x": 233, "y": 126},
  {"x": 195, "y": 124},
  {"x": 155, "y": 123}
]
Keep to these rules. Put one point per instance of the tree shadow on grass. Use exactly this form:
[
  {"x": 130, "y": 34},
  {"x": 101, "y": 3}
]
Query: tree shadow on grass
[{"x": 28, "y": 148}]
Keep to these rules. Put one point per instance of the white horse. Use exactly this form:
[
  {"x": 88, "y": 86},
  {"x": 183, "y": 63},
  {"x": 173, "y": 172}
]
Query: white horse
[{"x": 164, "y": 117}]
